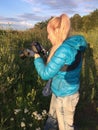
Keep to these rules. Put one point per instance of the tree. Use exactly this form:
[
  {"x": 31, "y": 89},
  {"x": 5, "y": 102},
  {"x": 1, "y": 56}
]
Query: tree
[
  {"x": 94, "y": 18},
  {"x": 86, "y": 23},
  {"x": 76, "y": 22}
]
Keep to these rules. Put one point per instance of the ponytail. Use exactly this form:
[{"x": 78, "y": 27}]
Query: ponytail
[
  {"x": 62, "y": 24},
  {"x": 65, "y": 26}
]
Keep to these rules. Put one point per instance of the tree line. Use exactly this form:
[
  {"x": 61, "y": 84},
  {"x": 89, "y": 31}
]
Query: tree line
[{"x": 78, "y": 23}]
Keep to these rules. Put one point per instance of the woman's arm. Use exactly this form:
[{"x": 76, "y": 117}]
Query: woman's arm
[{"x": 49, "y": 70}]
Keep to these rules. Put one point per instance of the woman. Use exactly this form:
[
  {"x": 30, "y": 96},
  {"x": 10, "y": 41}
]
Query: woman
[{"x": 65, "y": 51}]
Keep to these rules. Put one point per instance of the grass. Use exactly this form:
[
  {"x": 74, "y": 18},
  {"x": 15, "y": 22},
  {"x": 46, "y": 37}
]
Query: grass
[{"x": 21, "y": 88}]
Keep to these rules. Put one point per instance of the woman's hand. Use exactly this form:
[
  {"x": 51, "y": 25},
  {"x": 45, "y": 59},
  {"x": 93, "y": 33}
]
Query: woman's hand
[{"x": 36, "y": 55}]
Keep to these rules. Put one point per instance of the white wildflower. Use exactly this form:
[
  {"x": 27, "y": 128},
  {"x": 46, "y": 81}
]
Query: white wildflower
[
  {"x": 38, "y": 128},
  {"x": 16, "y": 111},
  {"x": 32, "y": 115},
  {"x": 39, "y": 117},
  {"x": 30, "y": 124},
  {"x": 25, "y": 110},
  {"x": 23, "y": 124},
  {"x": 35, "y": 113},
  {"x": 36, "y": 117},
  {"x": 44, "y": 112},
  {"x": 12, "y": 119}
]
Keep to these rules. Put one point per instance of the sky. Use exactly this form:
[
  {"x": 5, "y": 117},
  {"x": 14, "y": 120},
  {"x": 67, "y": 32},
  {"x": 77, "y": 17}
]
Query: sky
[{"x": 24, "y": 14}]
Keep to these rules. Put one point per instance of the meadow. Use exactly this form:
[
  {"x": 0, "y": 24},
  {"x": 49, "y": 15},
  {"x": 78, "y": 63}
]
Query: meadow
[{"x": 22, "y": 105}]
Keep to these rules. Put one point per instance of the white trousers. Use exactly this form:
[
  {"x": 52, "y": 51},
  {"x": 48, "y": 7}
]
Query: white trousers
[{"x": 63, "y": 109}]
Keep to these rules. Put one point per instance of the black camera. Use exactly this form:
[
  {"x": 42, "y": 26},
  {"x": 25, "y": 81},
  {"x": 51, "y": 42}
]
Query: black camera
[{"x": 35, "y": 48}]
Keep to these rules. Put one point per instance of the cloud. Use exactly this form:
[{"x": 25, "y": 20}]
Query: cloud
[
  {"x": 55, "y": 7},
  {"x": 31, "y": 17},
  {"x": 52, "y": 3},
  {"x": 15, "y": 23},
  {"x": 44, "y": 9},
  {"x": 26, "y": 20},
  {"x": 8, "y": 19},
  {"x": 52, "y": 6}
]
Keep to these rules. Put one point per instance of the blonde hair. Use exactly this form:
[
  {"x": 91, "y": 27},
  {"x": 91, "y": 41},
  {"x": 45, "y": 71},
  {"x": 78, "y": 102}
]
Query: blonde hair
[{"x": 62, "y": 23}]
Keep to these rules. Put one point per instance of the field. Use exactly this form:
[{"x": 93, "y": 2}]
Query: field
[{"x": 22, "y": 105}]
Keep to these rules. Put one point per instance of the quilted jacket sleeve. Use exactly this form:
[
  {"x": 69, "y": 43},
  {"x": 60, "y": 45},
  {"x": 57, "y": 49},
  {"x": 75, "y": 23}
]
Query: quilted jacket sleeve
[{"x": 61, "y": 56}]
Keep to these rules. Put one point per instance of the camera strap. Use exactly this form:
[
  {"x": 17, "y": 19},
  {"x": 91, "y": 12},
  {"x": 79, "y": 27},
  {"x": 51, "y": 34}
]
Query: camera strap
[{"x": 74, "y": 65}]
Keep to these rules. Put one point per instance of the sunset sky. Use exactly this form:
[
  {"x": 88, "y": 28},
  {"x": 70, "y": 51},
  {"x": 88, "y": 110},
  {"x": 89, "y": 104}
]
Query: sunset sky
[{"x": 23, "y": 14}]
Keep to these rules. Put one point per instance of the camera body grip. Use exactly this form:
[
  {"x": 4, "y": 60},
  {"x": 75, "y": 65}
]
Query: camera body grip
[{"x": 36, "y": 48}]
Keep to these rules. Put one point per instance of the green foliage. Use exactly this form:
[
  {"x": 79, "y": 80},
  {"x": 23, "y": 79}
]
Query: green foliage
[
  {"x": 22, "y": 105},
  {"x": 20, "y": 86},
  {"x": 76, "y": 22},
  {"x": 85, "y": 23},
  {"x": 87, "y": 114}
]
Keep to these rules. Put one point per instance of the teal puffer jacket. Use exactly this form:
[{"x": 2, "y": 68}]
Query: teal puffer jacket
[{"x": 63, "y": 82}]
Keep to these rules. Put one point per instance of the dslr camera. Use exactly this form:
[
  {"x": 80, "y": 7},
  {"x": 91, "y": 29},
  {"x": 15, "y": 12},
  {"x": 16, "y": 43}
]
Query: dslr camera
[{"x": 35, "y": 48}]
